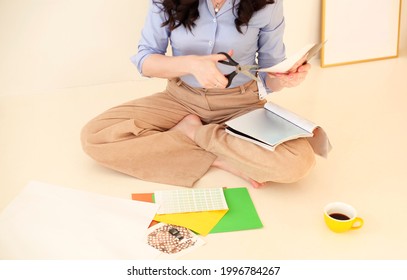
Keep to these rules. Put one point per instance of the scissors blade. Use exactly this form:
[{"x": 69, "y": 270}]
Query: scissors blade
[
  {"x": 250, "y": 75},
  {"x": 246, "y": 70},
  {"x": 242, "y": 68}
]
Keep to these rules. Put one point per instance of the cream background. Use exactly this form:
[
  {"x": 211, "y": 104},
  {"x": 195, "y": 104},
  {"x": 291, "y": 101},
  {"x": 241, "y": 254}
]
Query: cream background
[
  {"x": 54, "y": 44},
  {"x": 61, "y": 64},
  {"x": 350, "y": 42}
]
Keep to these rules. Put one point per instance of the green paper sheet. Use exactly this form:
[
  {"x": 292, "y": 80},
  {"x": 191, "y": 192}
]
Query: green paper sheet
[{"x": 242, "y": 214}]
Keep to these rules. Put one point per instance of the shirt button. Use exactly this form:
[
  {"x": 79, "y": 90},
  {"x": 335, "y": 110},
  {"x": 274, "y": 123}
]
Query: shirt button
[
  {"x": 210, "y": 43},
  {"x": 214, "y": 20}
]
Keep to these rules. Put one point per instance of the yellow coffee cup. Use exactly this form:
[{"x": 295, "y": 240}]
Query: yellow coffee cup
[{"x": 341, "y": 217}]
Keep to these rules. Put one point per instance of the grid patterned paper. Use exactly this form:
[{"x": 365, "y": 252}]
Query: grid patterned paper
[{"x": 196, "y": 200}]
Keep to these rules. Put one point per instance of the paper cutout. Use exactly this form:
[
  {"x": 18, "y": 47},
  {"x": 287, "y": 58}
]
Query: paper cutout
[
  {"x": 146, "y": 197},
  {"x": 242, "y": 214},
  {"x": 196, "y": 200},
  {"x": 172, "y": 241},
  {"x": 199, "y": 222}
]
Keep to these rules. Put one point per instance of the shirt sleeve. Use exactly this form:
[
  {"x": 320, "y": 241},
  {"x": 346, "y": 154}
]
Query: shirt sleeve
[
  {"x": 154, "y": 37},
  {"x": 271, "y": 44}
]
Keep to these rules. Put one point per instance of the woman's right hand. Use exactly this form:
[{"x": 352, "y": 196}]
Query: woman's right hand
[
  {"x": 203, "y": 68},
  {"x": 206, "y": 71}
]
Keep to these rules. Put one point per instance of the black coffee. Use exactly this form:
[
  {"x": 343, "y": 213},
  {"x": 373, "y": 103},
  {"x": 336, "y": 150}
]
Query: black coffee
[{"x": 339, "y": 216}]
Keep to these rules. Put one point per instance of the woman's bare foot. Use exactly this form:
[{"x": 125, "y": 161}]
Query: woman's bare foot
[
  {"x": 224, "y": 166},
  {"x": 188, "y": 126},
  {"x": 256, "y": 184}
]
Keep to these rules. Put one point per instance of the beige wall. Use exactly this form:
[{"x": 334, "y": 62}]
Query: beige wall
[
  {"x": 403, "y": 28},
  {"x": 51, "y": 44}
]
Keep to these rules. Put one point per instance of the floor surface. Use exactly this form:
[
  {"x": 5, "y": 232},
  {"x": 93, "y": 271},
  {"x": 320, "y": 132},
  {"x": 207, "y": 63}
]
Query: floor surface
[{"x": 362, "y": 107}]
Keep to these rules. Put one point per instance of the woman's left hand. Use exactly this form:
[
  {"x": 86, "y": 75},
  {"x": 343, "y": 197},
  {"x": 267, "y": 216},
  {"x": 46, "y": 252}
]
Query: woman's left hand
[{"x": 292, "y": 78}]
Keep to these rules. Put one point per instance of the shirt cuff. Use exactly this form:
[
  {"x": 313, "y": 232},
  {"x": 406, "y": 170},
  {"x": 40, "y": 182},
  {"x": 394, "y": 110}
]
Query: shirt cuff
[
  {"x": 262, "y": 85},
  {"x": 138, "y": 60}
]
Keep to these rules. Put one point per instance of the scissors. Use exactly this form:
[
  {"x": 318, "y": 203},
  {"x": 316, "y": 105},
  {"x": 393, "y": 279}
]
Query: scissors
[{"x": 244, "y": 69}]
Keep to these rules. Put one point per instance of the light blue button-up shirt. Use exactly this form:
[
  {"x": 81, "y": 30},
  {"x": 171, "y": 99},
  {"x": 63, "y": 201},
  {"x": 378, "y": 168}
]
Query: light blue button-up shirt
[{"x": 261, "y": 42}]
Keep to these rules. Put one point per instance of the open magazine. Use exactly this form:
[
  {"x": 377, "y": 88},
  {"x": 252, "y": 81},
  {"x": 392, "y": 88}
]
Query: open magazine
[{"x": 272, "y": 125}]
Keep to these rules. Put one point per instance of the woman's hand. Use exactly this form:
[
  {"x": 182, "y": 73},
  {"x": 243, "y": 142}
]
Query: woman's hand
[
  {"x": 293, "y": 79},
  {"x": 203, "y": 68},
  {"x": 295, "y": 76},
  {"x": 206, "y": 71}
]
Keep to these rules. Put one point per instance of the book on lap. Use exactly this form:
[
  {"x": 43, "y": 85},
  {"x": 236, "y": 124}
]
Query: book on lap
[{"x": 272, "y": 125}]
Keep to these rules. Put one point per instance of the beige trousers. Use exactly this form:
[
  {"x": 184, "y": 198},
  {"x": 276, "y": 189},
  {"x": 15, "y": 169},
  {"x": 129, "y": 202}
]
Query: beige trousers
[{"x": 134, "y": 138}]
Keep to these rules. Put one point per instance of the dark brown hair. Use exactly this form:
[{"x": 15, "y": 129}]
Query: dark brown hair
[{"x": 185, "y": 12}]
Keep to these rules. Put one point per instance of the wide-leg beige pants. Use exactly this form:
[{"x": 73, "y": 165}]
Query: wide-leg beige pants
[{"x": 134, "y": 138}]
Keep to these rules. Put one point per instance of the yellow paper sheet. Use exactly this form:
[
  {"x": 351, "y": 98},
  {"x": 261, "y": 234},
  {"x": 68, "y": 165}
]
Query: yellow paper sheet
[{"x": 199, "y": 222}]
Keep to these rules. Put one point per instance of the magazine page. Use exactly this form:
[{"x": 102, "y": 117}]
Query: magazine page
[
  {"x": 291, "y": 116},
  {"x": 319, "y": 142},
  {"x": 287, "y": 64},
  {"x": 246, "y": 137},
  {"x": 302, "y": 56},
  {"x": 267, "y": 127}
]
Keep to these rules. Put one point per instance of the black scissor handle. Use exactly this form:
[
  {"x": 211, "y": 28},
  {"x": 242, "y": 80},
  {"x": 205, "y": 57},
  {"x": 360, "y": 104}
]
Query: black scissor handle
[
  {"x": 230, "y": 77},
  {"x": 228, "y": 61}
]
